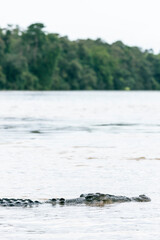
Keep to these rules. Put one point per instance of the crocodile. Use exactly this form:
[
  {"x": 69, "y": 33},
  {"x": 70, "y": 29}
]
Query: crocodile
[{"x": 97, "y": 199}]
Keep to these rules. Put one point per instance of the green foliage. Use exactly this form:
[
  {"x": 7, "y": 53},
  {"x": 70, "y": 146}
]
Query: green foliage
[
  {"x": 41, "y": 52},
  {"x": 36, "y": 60},
  {"x": 2, "y": 79}
]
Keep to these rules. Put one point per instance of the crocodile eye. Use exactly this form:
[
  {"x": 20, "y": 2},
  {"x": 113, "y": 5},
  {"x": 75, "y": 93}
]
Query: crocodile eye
[{"x": 82, "y": 195}]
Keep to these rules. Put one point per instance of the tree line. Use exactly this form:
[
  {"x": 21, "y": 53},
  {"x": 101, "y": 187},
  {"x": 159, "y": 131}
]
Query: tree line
[{"x": 36, "y": 60}]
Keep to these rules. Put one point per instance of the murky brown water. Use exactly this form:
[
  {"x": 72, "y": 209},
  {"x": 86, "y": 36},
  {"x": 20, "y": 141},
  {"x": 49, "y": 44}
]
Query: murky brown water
[{"x": 62, "y": 144}]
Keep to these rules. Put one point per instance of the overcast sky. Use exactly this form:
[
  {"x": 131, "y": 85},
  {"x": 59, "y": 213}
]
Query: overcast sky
[{"x": 135, "y": 22}]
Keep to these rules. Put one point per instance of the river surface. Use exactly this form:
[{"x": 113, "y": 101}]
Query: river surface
[{"x": 62, "y": 144}]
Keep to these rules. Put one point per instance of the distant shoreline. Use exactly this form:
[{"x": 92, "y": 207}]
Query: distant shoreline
[{"x": 38, "y": 61}]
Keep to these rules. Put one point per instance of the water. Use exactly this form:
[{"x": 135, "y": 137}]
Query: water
[{"x": 62, "y": 144}]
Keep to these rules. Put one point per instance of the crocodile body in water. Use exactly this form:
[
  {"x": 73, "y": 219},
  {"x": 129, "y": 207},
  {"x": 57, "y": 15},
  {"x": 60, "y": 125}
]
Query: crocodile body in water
[{"x": 88, "y": 199}]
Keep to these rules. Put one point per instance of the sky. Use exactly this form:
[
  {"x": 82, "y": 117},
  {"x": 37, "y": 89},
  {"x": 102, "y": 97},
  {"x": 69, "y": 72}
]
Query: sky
[{"x": 134, "y": 22}]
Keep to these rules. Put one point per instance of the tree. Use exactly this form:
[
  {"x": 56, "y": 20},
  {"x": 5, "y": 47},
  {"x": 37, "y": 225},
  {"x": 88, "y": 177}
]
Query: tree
[
  {"x": 2, "y": 79},
  {"x": 41, "y": 51}
]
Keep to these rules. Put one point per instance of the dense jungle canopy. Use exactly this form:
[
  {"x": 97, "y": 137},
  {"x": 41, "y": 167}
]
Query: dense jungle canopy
[{"x": 36, "y": 60}]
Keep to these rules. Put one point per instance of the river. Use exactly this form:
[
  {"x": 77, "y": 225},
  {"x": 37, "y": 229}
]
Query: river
[{"x": 62, "y": 144}]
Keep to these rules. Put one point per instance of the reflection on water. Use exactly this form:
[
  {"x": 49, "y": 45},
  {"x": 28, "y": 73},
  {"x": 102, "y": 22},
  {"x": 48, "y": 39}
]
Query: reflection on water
[{"x": 62, "y": 144}]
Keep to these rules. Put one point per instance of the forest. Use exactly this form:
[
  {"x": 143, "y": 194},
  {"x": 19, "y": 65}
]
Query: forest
[{"x": 34, "y": 59}]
